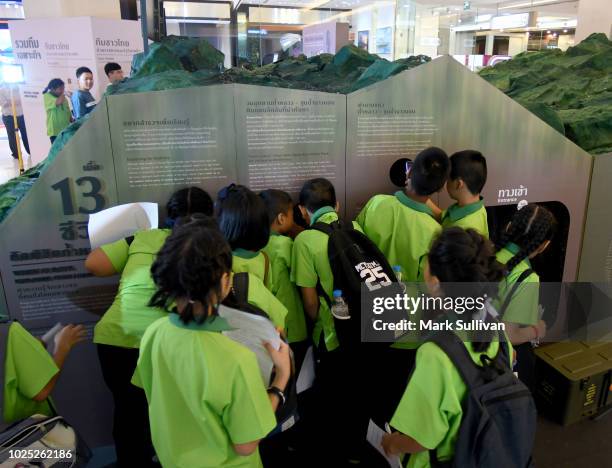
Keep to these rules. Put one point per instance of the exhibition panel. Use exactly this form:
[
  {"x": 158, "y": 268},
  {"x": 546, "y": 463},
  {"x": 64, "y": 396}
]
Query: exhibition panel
[
  {"x": 169, "y": 139},
  {"x": 284, "y": 137},
  {"x": 596, "y": 254}
]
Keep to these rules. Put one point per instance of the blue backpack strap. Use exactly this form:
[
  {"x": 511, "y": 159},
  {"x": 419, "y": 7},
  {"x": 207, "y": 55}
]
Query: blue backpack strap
[{"x": 459, "y": 355}]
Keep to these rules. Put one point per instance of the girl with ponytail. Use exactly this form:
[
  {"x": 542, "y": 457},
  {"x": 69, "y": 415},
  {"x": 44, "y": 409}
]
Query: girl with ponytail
[
  {"x": 56, "y": 108},
  {"x": 118, "y": 333},
  {"x": 207, "y": 400},
  {"x": 429, "y": 413},
  {"x": 527, "y": 235}
]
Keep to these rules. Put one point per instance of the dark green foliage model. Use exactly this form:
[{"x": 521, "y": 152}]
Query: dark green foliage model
[
  {"x": 180, "y": 62},
  {"x": 571, "y": 91}
]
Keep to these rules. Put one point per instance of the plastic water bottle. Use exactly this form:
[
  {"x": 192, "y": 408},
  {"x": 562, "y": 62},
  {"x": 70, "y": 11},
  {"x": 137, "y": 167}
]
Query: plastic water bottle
[
  {"x": 340, "y": 308},
  {"x": 397, "y": 269}
]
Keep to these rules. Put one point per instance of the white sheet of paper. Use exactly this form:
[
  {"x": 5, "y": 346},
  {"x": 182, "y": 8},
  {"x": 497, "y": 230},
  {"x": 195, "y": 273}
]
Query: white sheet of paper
[
  {"x": 374, "y": 437},
  {"x": 251, "y": 331},
  {"x": 121, "y": 221},
  {"x": 306, "y": 376}
]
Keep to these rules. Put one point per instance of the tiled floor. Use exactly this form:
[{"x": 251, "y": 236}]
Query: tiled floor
[{"x": 8, "y": 165}]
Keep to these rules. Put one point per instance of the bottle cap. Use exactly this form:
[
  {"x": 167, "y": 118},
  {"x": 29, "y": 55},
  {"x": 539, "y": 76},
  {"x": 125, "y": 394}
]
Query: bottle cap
[{"x": 338, "y": 293}]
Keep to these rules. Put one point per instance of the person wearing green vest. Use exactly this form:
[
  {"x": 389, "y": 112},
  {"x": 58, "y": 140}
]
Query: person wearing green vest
[
  {"x": 526, "y": 236},
  {"x": 30, "y": 372},
  {"x": 403, "y": 225},
  {"x": 243, "y": 220},
  {"x": 468, "y": 176},
  {"x": 58, "y": 111},
  {"x": 208, "y": 404},
  {"x": 119, "y": 331},
  {"x": 428, "y": 415},
  {"x": 279, "y": 249}
]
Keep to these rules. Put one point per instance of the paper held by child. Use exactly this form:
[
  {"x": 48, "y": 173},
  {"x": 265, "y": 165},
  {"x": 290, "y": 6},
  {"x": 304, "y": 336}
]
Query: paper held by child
[
  {"x": 252, "y": 331},
  {"x": 374, "y": 437},
  {"x": 121, "y": 221}
]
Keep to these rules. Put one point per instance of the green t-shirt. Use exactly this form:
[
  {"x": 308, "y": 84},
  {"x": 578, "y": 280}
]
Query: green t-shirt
[
  {"x": 430, "y": 410},
  {"x": 205, "y": 394},
  {"x": 310, "y": 264},
  {"x": 58, "y": 117},
  {"x": 128, "y": 317},
  {"x": 246, "y": 261},
  {"x": 279, "y": 250},
  {"x": 523, "y": 307},
  {"x": 260, "y": 296},
  {"x": 472, "y": 216},
  {"x": 27, "y": 370},
  {"x": 403, "y": 230}
]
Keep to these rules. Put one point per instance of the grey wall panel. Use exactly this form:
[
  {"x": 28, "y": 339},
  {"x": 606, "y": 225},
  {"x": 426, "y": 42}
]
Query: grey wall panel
[
  {"x": 166, "y": 140},
  {"x": 392, "y": 119},
  {"x": 286, "y": 136},
  {"x": 596, "y": 255},
  {"x": 526, "y": 158},
  {"x": 43, "y": 244}
]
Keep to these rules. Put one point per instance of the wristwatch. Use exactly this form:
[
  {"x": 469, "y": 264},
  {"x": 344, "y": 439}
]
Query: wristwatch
[{"x": 279, "y": 393}]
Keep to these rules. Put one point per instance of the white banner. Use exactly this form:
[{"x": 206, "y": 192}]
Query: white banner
[{"x": 55, "y": 48}]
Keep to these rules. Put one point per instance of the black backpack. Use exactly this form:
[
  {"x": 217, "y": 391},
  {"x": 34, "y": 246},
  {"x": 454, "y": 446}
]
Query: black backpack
[
  {"x": 355, "y": 262},
  {"x": 287, "y": 414},
  {"x": 499, "y": 415}
]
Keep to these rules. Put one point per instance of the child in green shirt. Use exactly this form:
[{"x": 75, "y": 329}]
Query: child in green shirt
[
  {"x": 57, "y": 109},
  {"x": 243, "y": 220},
  {"x": 468, "y": 176},
  {"x": 334, "y": 397},
  {"x": 403, "y": 225},
  {"x": 30, "y": 372},
  {"x": 207, "y": 401},
  {"x": 429, "y": 414},
  {"x": 527, "y": 235},
  {"x": 279, "y": 249},
  {"x": 119, "y": 331}
]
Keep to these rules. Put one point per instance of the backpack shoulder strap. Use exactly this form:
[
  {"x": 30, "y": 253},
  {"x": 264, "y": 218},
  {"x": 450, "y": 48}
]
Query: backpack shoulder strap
[
  {"x": 240, "y": 287},
  {"x": 523, "y": 276},
  {"x": 266, "y": 268},
  {"x": 459, "y": 356},
  {"x": 4, "y": 335},
  {"x": 325, "y": 228}
]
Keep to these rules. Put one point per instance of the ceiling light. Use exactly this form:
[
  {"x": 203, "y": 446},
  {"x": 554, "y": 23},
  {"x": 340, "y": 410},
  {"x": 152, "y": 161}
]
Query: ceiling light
[{"x": 565, "y": 30}]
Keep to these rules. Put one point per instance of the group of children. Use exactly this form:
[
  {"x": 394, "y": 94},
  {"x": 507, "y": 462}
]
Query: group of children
[{"x": 188, "y": 396}]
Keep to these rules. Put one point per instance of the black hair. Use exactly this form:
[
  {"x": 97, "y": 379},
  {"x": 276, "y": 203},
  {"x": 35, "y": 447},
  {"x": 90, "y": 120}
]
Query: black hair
[
  {"x": 111, "y": 67},
  {"x": 429, "y": 171},
  {"x": 188, "y": 201},
  {"x": 317, "y": 193},
  {"x": 464, "y": 262},
  {"x": 243, "y": 218},
  {"x": 82, "y": 70},
  {"x": 276, "y": 202},
  {"x": 471, "y": 167},
  {"x": 529, "y": 228},
  {"x": 190, "y": 265},
  {"x": 53, "y": 84}
]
